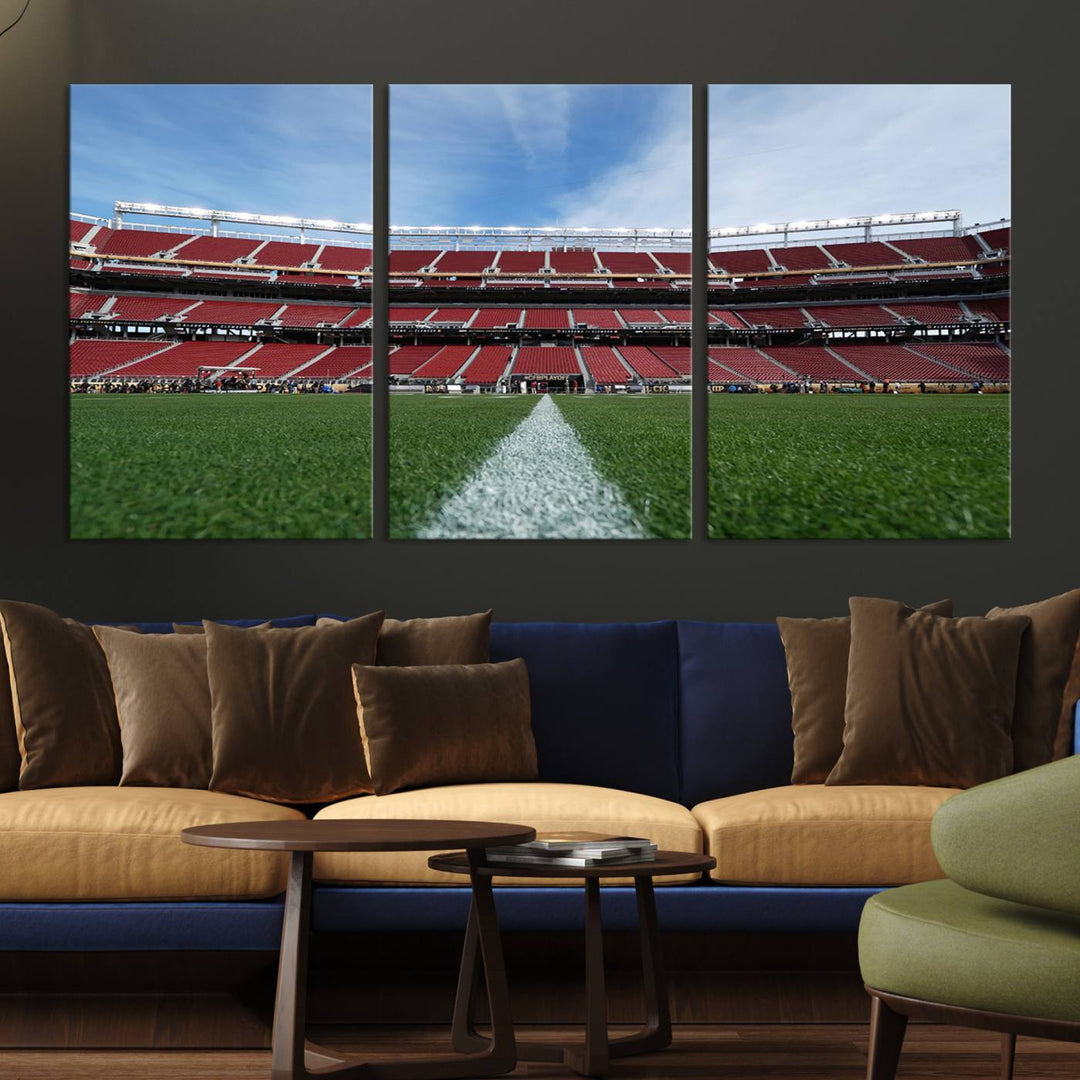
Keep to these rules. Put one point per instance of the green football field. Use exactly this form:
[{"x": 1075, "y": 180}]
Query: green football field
[
  {"x": 640, "y": 445},
  {"x": 858, "y": 466},
  {"x": 228, "y": 466}
]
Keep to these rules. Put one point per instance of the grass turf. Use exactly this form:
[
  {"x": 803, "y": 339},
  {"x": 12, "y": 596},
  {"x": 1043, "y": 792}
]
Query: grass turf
[
  {"x": 436, "y": 441},
  {"x": 641, "y": 444},
  {"x": 210, "y": 466},
  {"x": 861, "y": 467}
]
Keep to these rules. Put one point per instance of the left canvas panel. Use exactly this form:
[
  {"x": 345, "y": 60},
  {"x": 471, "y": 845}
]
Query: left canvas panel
[{"x": 220, "y": 312}]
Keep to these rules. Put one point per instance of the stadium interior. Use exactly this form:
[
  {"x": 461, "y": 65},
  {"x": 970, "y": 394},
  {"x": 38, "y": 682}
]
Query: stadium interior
[{"x": 868, "y": 308}]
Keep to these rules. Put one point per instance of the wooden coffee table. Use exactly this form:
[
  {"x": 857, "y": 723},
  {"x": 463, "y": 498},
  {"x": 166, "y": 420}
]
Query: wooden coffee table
[
  {"x": 294, "y": 1059},
  {"x": 591, "y": 1058}
]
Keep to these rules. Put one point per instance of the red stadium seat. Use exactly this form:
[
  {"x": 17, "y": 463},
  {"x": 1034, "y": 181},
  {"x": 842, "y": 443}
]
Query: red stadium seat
[
  {"x": 942, "y": 248},
  {"x": 184, "y": 360},
  {"x": 547, "y": 319},
  {"x": 781, "y": 318},
  {"x": 222, "y": 249},
  {"x": 545, "y": 360},
  {"x": 852, "y": 315},
  {"x": 284, "y": 253},
  {"x": 983, "y": 361},
  {"x": 646, "y": 363},
  {"x": 628, "y": 262},
  {"x": 230, "y": 312},
  {"x": 741, "y": 261},
  {"x": 344, "y": 258},
  {"x": 605, "y": 366},
  {"x": 521, "y": 262},
  {"x": 813, "y": 361},
  {"x": 641, "y": 317},
  {"x": 748, "y": 363},
  {"x": 897, "y": 364},
  {"x": 405, "y": 360},
  {"x": 488, "y": 365},
  {"x": 445, "y": 363},
  {"x": 139, "y": 242},
  {"x": 452, "y": 316},
  {"x": 495, "y": 318},
  {"x": 464, "y": 262},
  {"x": 873, "y": 253},
  {"x": 342, "y": 362},
  {"x": 88, "y": 358},
  {"x": 804, "y": 257},
  {"x": 570, "y": 261}
]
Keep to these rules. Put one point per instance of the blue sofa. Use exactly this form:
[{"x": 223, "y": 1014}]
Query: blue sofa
[{"x": 682, "y": 711}]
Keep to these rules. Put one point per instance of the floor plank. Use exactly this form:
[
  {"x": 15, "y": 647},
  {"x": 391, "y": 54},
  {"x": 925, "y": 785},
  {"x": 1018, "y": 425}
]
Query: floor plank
[{"x": 700, "y": 1052}]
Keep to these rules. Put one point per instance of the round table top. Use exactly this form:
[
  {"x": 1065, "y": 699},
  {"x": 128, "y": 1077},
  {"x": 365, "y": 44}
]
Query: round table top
[
  {"x": 375, "y": 834},
  {"x": 666, "y": 862}
]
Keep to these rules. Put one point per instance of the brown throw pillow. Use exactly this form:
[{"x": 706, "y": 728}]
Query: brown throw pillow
[
  {"x": 62, "y": 697},
  {"x": 1066, "y": 731},
  {"x": 446, "y": 724},
  {"x": 163, "y": 703},
  {"x": 453, "y": 639},
  {"x": 817, "y": 663},
  {"x": 929, "y": 699},
  {"x": 282, "y": 710},
  {"x": 197, "y": 628},
  {"x": 1046, "y": 657},
  {"x": 9, "y": 739}
]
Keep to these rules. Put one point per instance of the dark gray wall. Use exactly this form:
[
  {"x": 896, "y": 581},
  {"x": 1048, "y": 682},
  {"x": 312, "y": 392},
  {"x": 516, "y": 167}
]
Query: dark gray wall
[{"x": 551, "y": 40}]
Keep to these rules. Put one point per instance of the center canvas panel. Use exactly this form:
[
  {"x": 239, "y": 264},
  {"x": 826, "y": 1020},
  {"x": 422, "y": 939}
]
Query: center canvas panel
[
  {"x": 540, "y": 312},
  {"x": 220, "y": 258}
]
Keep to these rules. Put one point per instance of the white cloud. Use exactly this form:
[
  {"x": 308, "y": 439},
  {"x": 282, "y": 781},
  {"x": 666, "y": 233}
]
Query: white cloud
[
  {"x": 651, "y": 186},
  {"x": 786, "y": 153}
]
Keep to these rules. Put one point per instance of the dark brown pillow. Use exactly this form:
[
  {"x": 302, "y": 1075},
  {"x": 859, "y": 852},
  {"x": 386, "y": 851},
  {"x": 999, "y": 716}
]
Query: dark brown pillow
[
  {"x": 1046, "y": 657},
  {"x": 283, "y": 713},
  {"x": 817, "y": 663},
  {"x": 65, "y": 717},
  {"x": 446, "y": 724},
  {"x": 929, "y": 699},
  {"x": 197, "y": 628},
  {"x": 9, "y": 739},
  {"x": 1066, "y": 731},
  {"x": 163, "y": 704},
  {"x": 452, "y": 639}
]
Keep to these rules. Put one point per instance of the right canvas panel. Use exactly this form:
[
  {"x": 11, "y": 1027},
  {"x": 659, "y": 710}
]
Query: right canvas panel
[{"x": 859, "y": 352}]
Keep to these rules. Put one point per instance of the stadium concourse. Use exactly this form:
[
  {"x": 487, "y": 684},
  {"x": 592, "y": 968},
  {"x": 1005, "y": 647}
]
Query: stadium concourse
[{"x": 605, "y": 311}]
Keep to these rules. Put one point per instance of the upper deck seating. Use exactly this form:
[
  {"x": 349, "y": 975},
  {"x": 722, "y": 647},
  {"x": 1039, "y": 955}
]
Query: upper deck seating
[
  {"x": 138, "y": 242},
  {"x": 998, "y": 239},
  {"x": 741, "y": 261},
  {"x": 344, "y": 258},
  {"x": 628, "y": 262},
  {"x": 678, "y": 262},
  {"x": 521, "y": 262},
  {"x": 78, "y": 229},
  {"x": 464, "y": 262},
  {"x": 223, "y": 249},
  {"x": 410, "y": 260},
  {"x": 801, "y": 257},
  {"x": 572, "y": 262},
  {"x": 872, "y": 253},
  {"x": 942, "y": 248}
]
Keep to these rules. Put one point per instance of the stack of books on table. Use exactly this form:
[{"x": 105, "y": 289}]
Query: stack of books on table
[{"x": 575, "y": 849}]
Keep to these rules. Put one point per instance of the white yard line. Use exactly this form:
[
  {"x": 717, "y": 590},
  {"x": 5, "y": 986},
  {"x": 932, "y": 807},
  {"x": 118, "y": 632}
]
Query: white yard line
[{"x": 539, "y": 483}]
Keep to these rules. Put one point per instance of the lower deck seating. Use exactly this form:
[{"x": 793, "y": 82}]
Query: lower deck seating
[
  {"x": 545, "y": 360},
  {"x": 604, "y": 365},
  {"x": 276, "y": 360},
  {"x": 676, "y": 357},
  {"x": 813, "y": 361},
  {"x": 445, "y": 363},
  {"x": 406, "y": 359},
  {"x": 487, "y": 367},
  {"x": 93, "y": 357},
  {"x": 341, "y": 362},
  {"x": 748, "y": 363},
  {"x": 984, "y": 361},
  {"x": 896, "y": 364},
  {"x": 183, "y": 361},
  {"x": 646, "y": 363}
]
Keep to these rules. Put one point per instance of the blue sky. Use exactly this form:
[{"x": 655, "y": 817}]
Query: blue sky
[
  {"x": 298, "y": 150},
  {"x": 540, "y": 155},
  {"x": 789, "y": 153}
]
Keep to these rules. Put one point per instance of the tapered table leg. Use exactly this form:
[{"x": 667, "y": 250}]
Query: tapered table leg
[
  {"x": 656, "y": 1034},
  {"x": 592, "y": 1058},
  {"x": 463, "y": 1034},
  {"x": 294, "y": 1059},
  {"x": 290, "y": 1005}
]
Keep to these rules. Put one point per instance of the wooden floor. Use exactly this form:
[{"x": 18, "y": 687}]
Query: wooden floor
[{"x": 700, "y": 1052}]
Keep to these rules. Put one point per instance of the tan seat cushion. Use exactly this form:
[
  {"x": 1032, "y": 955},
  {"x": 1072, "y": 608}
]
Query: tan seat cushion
[
  {"x": 546, "y": 807},
  {"x": 810, "y": 834},
  {"x": 123, "y": 843}
]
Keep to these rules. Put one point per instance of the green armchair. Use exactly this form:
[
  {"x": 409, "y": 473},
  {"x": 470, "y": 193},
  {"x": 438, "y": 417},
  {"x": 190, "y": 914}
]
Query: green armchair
[{"x": 997, "y": 944}]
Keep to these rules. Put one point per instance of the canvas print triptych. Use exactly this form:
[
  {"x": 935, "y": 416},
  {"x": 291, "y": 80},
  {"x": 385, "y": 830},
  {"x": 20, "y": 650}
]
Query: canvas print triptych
[{"x": 540, "y": 373}]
